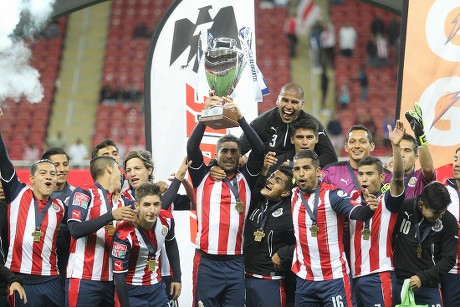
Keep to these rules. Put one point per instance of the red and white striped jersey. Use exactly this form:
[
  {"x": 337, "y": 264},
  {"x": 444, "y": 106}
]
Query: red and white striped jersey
[
  {"x": 375, "y": 254},
  {"x": 454, "y": 208},
  {"x": 24, "y": 255},
  {"x": 322, "y": 257},
  {"x": 220, "y": 225},
  {"x": 130, "y": 253},
  {"x": 90, "y": 256}
]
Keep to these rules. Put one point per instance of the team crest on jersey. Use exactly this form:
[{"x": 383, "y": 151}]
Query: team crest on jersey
[
  {"x": 80, "y": 200},
  {"x": 278, "y": 212},
  {"x": 119, "y": 250},
  {"x": 437, "y": 227},
  {"x": 164, "y": 231},
  {"x": 56, "y": 207},
  {"x": 341, "y": 193},
  {"x": 412, "y": 182}
]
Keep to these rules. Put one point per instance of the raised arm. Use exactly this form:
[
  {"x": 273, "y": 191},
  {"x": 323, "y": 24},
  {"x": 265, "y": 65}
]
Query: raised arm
[
  {"x": 395, "y": 135},
  {"x": 415, "y": 119},
  {"x": 172, "y": 250},
  {"x": 6, "y": 167}
]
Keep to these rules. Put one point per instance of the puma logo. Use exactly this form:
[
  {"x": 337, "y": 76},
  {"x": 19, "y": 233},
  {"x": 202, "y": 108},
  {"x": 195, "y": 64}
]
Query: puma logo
[
  {"x": 407, "y": 214},
  {"x": 346, "y": 181}
]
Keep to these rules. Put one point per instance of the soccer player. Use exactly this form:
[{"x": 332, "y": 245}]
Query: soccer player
[
  {"x": 269, "y": 240},
  {"x": 63, "y": 190},
  {"x": 425, "y": 244},
  {"x": 136, "y": 252},
  {"x": 450, "y": 283},
  {"x": 371, "y": 241},
  {"x": 344, "y": 174},
  {"x": 318, "y": 214},
  {"x": 91, "y": 218},
  {"x": 273, "y": 126},
  {"x": 222, "y": 207},
  {"x": 138, "y": 168},
  {"x": 33, "y": 222}
]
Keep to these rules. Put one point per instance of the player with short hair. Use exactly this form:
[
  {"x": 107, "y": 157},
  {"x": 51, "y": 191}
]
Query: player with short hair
[
  {"x": 92, "y": 217},
  {"x": 136, "y": 252}
]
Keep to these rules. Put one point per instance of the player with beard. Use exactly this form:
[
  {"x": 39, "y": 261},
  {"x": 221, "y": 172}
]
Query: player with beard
[
  {"x": 425, "y": 243},
  {"x": 269, "y": 240},
  {"x": 450, "y": 283},
  {"x": 273, "y": 126},
  {"x": 318, "y": 214},
  {"x": 371, "y": 241},
  {"x": 33, "y": 222},
  {"x": 222, "y": 207}
]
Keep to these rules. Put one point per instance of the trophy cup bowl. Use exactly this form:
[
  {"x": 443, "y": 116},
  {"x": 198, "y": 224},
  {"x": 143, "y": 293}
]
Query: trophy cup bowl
[{"x": 223, "y": 64}]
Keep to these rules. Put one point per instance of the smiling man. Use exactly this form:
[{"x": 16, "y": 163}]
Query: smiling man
[
  {"x": 269, "y": 240},
  {"x": 222, "y": 207},
  {"x": 63, "y": 190},
  {"x": 33, "y": 222},
  {"x": 273, "y": 126},
  {"x": 136, "y": 252}
]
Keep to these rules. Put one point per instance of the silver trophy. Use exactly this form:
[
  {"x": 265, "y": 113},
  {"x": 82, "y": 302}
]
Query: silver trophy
[{"x": 223, "y": 65}]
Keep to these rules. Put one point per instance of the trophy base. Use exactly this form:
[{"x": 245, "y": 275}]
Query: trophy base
[{"x": 219, "y": 118}]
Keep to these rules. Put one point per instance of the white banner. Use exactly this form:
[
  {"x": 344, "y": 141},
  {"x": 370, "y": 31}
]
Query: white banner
[{"x": 172, "y": 103}]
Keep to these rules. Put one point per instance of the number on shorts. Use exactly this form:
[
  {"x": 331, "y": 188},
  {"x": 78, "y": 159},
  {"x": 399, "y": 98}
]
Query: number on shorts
[{"x": 337, "y": 301}]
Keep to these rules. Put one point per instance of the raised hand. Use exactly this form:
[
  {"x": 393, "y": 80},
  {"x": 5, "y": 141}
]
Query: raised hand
[
  {"x": 415, "y": 119},
  {"x": 395, "y": 135}
]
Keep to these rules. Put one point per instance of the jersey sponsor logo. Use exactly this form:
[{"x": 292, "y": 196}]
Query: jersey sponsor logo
[
  {"x": 437, "y": 227},
  {"x": 80, "y": 200},
  {"x": 164, "y": 231},
  {"x": 412, "y": 182},
  {"x": 119, "y": 250},
  {"x": 76, "y": 214},
  {"x": 118, "y": 265},
  {"x": 278, "y": 212}
]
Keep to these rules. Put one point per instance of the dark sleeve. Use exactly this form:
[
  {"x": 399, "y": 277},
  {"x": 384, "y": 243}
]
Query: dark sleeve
[
  {"x": 122, "y": 289},
  {"x": 393, "y": 203},
  {"x": 324, "y": 149},
  {"x": 85, "y": 228},
  {"x": 168, "y": 197},
  {"x": 361, "y": 213},
  {"x": 343, "y": 204},
  {"x": 244, "y": 142},
  {"x": 193, "y": 145},
  {"x": 253, "y": 138},
  {"x": 6, "y": 167},
  {"x": 172, "y": 250},
  {"x": 8, "y": 276},
  {"x": 448, "y": 246}
]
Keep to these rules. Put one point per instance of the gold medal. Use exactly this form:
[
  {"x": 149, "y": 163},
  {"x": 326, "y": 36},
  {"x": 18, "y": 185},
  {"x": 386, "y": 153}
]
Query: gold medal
[
  {"x": 37, "y": 235},
  {"x": 458, "y": 225},
  {"x": 419, "y": 252},
  {"x": 110, "y": 230},
  {"x": 314, "y": 230},
  {"x": 152, "y": 264},
  {"x": 239, "y": 206},
  {"x": 366, "y": 233},
  {"x": 258, "y": 235}
]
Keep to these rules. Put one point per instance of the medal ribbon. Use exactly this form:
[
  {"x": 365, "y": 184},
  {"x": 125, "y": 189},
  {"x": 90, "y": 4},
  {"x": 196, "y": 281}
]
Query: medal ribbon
[
  {"x": 266, "y": 213},
  {"x": 39, "y": 216},
  {"x": 151, "y": 247},
  {"x": 104, "y": 193},
  {"x": 233, "y": 187},
  {"x": 417, "y": 227},
  {"x": 353, "y": 176},
  {"x": 311, "y": 213}
]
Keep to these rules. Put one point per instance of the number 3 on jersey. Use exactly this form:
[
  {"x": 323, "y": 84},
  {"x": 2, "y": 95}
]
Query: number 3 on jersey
[{"x": 273, "y": 141}]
